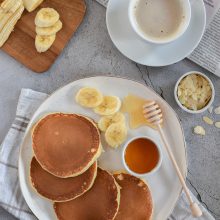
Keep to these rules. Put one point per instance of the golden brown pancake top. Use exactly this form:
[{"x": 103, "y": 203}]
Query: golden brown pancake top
[
  {"x": 99, "y": 203},
  {"x": 136, "y": 201},
  {"x": 65, "y": 144},
  {"x": 61, "y": 189}
]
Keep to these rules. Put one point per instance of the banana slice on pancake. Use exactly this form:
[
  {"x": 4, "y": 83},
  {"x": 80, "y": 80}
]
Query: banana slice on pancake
[
  {"x": 116, "y": 134},
  {"x": 109, "y": 106},
  {"x": 47, "y": 31},
  {"x": 89, "y": 97},
  {"x": 106, "y": 121},
  {"x": 46, "y": 17}
]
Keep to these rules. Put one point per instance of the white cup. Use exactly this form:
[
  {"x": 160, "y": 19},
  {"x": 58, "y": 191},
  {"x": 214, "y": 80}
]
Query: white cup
[
  {"x": 187, "y": 10},
  {"x": 140, "y": 175}
]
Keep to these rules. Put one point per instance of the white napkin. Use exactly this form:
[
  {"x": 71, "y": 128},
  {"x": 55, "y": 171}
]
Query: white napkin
[{"x": 11, "y": 197}]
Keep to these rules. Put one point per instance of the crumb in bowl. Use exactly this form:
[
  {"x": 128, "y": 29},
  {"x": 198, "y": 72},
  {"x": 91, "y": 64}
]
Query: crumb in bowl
[{"x": 194, "y": 92}]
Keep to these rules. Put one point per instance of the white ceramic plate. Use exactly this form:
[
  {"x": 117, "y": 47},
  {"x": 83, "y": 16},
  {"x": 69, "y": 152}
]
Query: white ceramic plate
[
  {"x": 136, "y": 49},
  {"x": 164, "y": 184}
]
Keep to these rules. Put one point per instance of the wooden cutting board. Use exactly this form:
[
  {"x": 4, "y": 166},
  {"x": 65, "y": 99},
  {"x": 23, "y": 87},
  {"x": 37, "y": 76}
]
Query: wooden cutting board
[{"x": 21, "y": 43}]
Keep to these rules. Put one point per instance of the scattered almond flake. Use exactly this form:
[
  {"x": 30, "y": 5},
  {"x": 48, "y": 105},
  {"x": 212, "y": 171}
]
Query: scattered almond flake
[
  {"x": 120, "y": 177},
  {"x": 84, "y": 183},
  {"x": 199, "y": 130},
  {"x": 140, "y": 184},
  {"x": 208, "y": 120},
  {"x": 217, "y": 124},
  {"x": 217, "y": 110},
  {"x": 210, "y": 109}
]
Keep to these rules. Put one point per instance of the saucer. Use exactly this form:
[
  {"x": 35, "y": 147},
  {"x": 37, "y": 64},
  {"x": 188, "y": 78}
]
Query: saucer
[{"x": 136, "y": 49}]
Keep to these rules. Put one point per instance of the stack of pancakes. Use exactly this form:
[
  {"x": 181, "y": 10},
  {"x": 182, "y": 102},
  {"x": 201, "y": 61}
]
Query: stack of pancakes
[{"x": 64, "y": 170}]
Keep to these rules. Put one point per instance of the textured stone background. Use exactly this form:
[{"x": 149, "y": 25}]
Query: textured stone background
[{"x": 91, "y": 52}]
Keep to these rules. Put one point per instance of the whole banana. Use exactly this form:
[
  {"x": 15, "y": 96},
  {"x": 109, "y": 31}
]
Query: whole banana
[
  {"x": 10, "y": 13},
  {"x": 7, "y": 9}
]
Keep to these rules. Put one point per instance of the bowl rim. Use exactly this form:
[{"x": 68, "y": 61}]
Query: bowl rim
[
  {"x": 155, "y": 169},
  {"x": 207, "y": 105}
]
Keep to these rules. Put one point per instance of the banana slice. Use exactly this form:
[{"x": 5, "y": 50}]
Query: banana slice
[
  {"x": 9, "y": 26},
  {"x": 7, "y": 10},
  {"x": 45, "y": 31},
  {"x": 109, "y": 106},
  {"x": 46, "y": 17},
  {"x": 106, "y": 121},
  {"x": 89, "y": 97},
  {"x": 116, "y": 134},
  {"x": 31, "y": 5},
  {"x": 43, "y": 43}
]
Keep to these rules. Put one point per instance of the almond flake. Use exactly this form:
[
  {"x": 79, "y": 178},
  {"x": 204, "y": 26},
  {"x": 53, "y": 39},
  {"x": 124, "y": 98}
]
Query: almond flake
[
  {"x": 217, "y": 124},
  {"x": 217, "y": 110},
  {"x": 208, "y": 120},
  {"x": 199, "y": 130},
  {"x": 210, "y": 109}
]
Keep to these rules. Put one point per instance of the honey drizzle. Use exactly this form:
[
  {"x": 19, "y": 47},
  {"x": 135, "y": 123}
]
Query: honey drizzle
[{"x": 133, "y": 105}]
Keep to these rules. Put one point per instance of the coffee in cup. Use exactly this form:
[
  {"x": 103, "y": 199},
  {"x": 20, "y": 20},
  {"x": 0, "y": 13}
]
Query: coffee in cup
[{"x": 159, "y": 21}]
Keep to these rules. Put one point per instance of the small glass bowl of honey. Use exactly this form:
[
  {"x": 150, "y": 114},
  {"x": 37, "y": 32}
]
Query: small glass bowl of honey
[{"x": 141, "y": 156}]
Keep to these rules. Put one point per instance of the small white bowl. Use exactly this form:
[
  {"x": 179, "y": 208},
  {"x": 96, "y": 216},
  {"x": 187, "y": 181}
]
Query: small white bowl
[
  {"x": 182, "y": 106},
  {"x": 187, "y": 8},
  {"x": 140, "y": 175}
]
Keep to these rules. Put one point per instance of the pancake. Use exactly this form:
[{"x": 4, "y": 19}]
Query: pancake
[
  {"x": 66, "y": 145},
  {"x": 101, "y": 202},
  {"x": 61, "y": 189},
  {"x": 136, "y": 201}
]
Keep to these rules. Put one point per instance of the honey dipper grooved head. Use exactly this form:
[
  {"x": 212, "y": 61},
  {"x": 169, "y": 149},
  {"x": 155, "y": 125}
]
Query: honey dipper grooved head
[{"x": 152, "y": 112}]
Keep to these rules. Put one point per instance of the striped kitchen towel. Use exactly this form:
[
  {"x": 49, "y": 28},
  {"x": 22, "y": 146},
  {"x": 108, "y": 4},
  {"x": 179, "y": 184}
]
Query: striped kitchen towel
[{"x": 11, "y": 197}]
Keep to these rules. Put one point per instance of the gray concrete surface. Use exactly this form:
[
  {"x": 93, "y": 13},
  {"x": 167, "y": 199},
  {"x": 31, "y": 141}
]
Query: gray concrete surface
[{"x": 91, "y": 52}]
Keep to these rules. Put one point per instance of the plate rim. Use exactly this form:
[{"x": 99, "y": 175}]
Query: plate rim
[
  {"x": 157, "y": 65},
  {"x": 92, "y": 77}
]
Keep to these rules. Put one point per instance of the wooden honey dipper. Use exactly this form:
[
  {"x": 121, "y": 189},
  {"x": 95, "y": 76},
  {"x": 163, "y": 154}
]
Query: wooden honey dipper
[{"x": 154, "y": 116}]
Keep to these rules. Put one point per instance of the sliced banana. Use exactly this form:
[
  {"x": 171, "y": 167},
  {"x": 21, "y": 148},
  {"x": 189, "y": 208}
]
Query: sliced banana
[
  {"x": 109, "y": 106},
  {"x": 89, "y": 97},
  {"x": 43, "y": 43},
  {"x": 46, "y": 17},
  {"x": 45, "y": 31},
  {"x": 116, "y": 134},
  {"x": 31, "y": 5},
  {"x": 9, "y": 26},
  {"x": 106, "y": 121}
]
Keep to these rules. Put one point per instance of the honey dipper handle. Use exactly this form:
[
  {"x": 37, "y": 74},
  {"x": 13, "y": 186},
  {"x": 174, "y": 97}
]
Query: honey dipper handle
[{"x": 195, "y": 210}]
